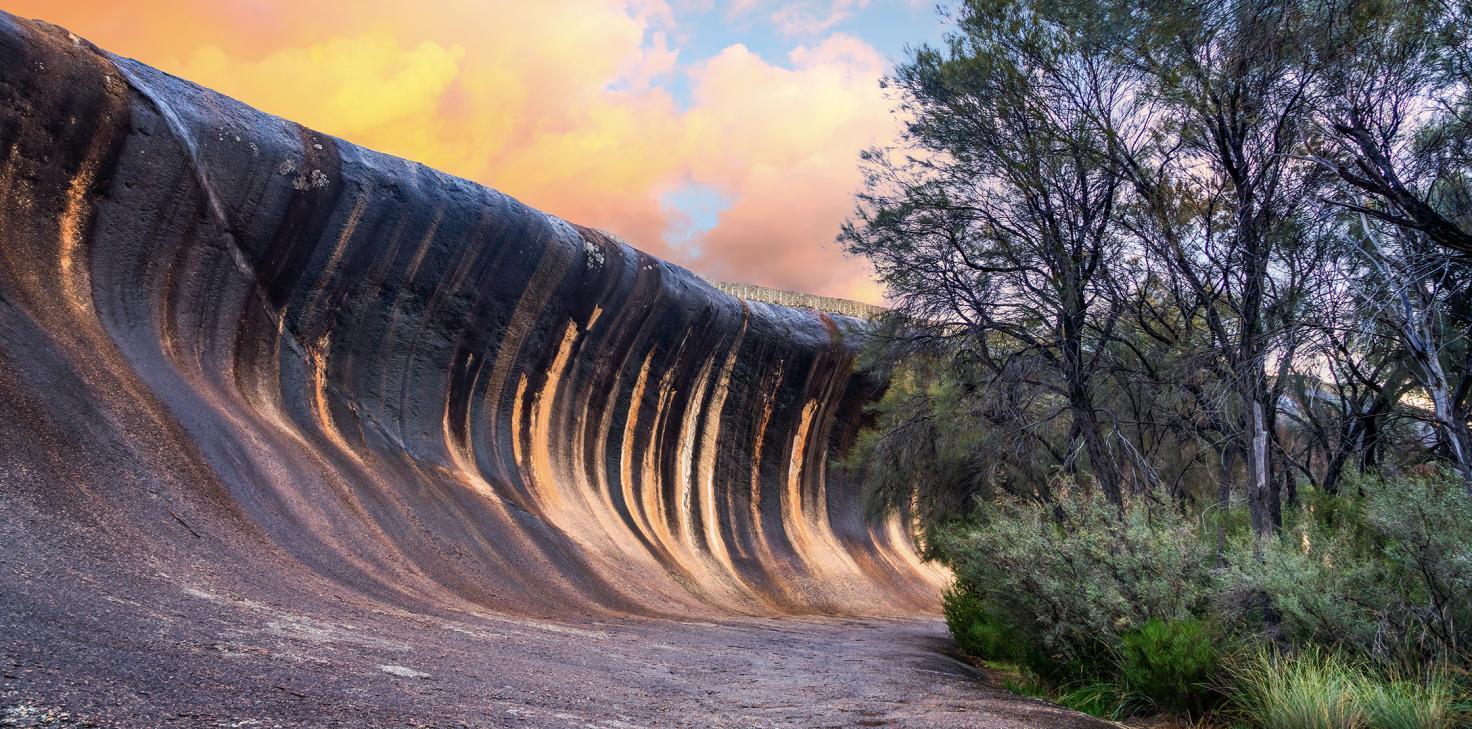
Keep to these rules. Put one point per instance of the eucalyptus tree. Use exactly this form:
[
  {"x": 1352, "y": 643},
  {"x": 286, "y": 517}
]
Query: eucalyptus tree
[
  {"x": 1130, "y": 234},
  {"x": 1392, "y": 119},
  {"x": 994, "y": 226},
  {"x": 1417, "y": 294},
  {"x": 1347, "y": 402},
  {"x": 1223, "y": 193},
  {"x": 1392, "y": 115}
]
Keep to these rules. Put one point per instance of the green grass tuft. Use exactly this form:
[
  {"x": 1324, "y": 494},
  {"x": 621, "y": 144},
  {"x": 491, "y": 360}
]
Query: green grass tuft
[
  {"x": 1402, "y": 703},
  {"x": 1322, "y": 691},
  {"x": 1095, "y": 698},
  {"x": 1314, "y": 691}
]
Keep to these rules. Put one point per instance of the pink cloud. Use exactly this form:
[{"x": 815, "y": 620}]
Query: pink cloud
[{"x": 562, "y": 103}]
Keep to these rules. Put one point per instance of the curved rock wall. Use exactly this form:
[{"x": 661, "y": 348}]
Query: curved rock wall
[{"x": 232, "y": 345}]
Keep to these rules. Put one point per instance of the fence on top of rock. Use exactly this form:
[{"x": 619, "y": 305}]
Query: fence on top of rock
[{"x": 827, "y": 304}]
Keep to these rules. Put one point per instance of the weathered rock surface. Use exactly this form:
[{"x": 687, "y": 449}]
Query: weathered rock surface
[{"x": 296, "y": 432}]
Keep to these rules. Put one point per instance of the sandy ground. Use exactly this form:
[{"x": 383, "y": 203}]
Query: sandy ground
[{"x": 204, "y": 659}]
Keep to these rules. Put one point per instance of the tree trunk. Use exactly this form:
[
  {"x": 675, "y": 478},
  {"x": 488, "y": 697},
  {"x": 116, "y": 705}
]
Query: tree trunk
[
  {"x": 1370, "y": 457},
  {"x": 1101, "y": 462},
  {"x": 1453, "y": 428},
  {"x": 1260, "y": 484},
  {"x": 1351, "y": 441},
  {"x": 1419, "y": 336},
  {"x": 1357, "y": 438},
  {"x": 1224, "y": 501},
  {"x": 1417, "y": 328},
  {"x": 1080, "y": 400},
  {"x": 1290, "y": 479}
]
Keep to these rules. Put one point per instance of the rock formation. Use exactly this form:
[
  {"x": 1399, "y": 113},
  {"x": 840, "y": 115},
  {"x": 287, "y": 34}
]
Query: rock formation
[{"x": 241, "y": 357}]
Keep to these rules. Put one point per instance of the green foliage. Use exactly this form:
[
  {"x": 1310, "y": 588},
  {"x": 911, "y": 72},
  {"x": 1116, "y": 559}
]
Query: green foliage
[
  {"x": 1024, "y": 683},
  {"x": 1173, "y": 664},
  {"x": 1103, "y": 699},
  {"x": 1065, "y": 581},
  {"x": 977, "y": 632},
  {"x": 1096, "y": 698},
  {"x": 1431, "y": 703},
  {"x": 1387, "y": 577},
  {"x": 1104, "y": 222},
  {"x": 1315, "y": 691},
  {"x": 1115, "y": 609},
  {"x": 1319, "y": 690},
  {"x": 915, "y": 440}
]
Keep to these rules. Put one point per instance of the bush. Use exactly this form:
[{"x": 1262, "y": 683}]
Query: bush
[
  {"x": 1387, "y": 577},
  {"x": 1173, "y": 664},
  {"x": 1096, "y": 698},
  {"x": 1106, "y": 609},
  {"x": 977, "y": 634},
  {"x": 1064, "y": 584}
]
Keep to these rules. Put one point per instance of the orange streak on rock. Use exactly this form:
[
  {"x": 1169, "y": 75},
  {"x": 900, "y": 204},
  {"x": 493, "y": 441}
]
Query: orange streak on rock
[
  {"x": 76, "y": 279},
  {"x": 546, "y": 480},
  {"x": 626, "y": 457},
  {"x": 709, "y": 516}
]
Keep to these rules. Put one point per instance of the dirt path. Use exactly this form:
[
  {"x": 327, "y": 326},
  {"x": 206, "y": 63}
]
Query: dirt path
[{"x": 197, "y": 658}]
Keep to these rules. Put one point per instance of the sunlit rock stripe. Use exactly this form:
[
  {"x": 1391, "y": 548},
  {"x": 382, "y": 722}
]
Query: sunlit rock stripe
[{"x": 334, "y": 370}]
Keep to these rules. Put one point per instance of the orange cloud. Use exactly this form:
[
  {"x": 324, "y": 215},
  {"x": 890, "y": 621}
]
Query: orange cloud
[
  {"x": 782, "y": 142},
  {"x": 561, "y": 103}
]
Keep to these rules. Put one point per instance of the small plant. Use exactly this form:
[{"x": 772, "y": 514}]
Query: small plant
[
  {"x": 1026, "y": 683},
  {"x": 1411, "y": 703},
  {"x": 1095, "y": 698},
  {"x": 975, "y": 633},
  {"x": 1323, "y": 691},
  {"x": 1172, "y": 664},
  {"x": 1312, "y": 691}
]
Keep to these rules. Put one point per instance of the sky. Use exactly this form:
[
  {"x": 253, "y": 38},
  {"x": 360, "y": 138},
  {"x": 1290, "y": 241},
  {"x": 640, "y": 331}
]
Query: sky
[{"x": 723, "y": 136}]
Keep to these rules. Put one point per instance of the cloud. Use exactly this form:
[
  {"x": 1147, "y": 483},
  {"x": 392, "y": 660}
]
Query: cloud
[
  {"x": 355, "y": 85},
  {"x": 807, "y": 19},
  {"x": 791, "y": 181},
  {"x": 801, "y": 19},
  {"x": 565, "y": 104}
]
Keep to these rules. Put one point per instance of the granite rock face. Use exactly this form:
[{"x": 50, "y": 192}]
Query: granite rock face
[{"x": 240, "y": 354}]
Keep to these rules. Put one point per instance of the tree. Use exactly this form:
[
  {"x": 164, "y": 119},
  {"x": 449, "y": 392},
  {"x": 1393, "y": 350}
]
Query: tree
[
  {"x": 1391, "y": 113},
  {"x": 1416, "y": 287},
  {"x": 1391, "y": 119},
  {"x": 1222, "y": 195},
  {"x": 1143, "y": 241},
  {"x": 996, "y": 231}
]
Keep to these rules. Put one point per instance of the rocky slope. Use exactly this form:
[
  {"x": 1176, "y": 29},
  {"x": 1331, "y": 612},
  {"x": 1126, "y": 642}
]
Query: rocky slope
[{"x": 235, "y": 349}]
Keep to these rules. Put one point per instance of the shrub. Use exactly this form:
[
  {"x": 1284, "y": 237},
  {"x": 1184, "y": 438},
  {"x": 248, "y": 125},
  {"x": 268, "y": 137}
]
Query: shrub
[
  {"x": 1173, "y": 664},
  {"x": 1388, "y": 577},
  {"x": 1107, "y": 608},
  {"x": 976, "y": 634},
  {"x": 1096, "y": 698},
  {"x": 1063, "y": 583}
]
